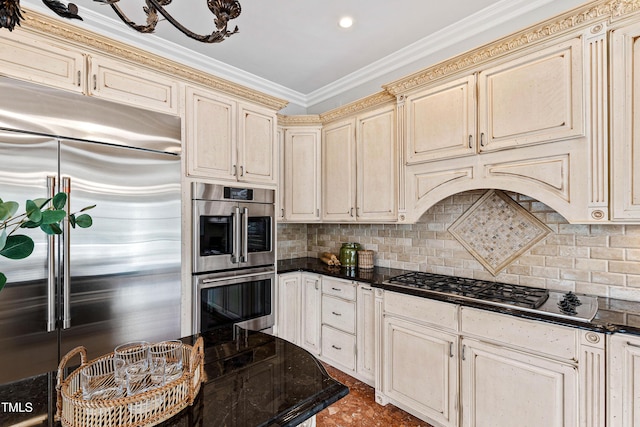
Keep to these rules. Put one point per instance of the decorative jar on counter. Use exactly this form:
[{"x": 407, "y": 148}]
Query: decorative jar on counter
[{"x": 349, "y": 254}]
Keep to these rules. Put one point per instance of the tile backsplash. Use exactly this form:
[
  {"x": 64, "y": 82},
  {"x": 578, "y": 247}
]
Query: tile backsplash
[{"x": 600, "y": 260}]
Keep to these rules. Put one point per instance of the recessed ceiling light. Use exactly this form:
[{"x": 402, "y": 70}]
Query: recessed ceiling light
[{"x": 346, "y": 22}]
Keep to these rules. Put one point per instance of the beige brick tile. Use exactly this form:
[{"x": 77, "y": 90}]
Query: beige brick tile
[
  {"x": 503, "y": 277},
  {"x": 532, "y": 260},
  {"x": 629, "y": 294},
  {"x": 591, "y": 264},
  {"x": 616, "y": 254},
  {"x": 606, "y": 229},
  {"x": 560, "y": 239},
  {"x": 483, "y": 275},
  {"x": 628, "y": 241},
  {"x": 546, "y": 272},
  {"x": 444, "y": 270},
  {"x": 536, "y": 282},
  {"x": 605, "y": 278},
  {"x": 572, "y": 229},
  {"x": 632, "y": 254},
  {"x": 592, "y": 289},
  {"x": 632, "y": 230},
  {"x": 517, "y": 269},
  {"x": 454, "y": 262},
  {"x": 545, "y": 250},
  {"x": 556, "y": 261},
  {"x": 591, "y": 241},
  {"x": 624, "y": 267},
  {"x": 633, "y": 281},
  {"x": 573, "y": 251},
  {"x": 560, "y": 285}
]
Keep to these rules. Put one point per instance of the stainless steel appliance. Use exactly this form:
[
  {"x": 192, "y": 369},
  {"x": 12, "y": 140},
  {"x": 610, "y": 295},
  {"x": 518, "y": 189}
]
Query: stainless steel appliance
[
  {"x": 233, "y": 257},
  {"x": 116, "y": 281},
  {"x": 232, "y": 227},
  {"x": 564, "y": 305},
  {"x": 242, "y": 297}
]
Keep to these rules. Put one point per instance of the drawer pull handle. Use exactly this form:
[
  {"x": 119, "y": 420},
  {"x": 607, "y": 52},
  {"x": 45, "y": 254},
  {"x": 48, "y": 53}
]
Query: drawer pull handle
[
  {"x": 337, "y": 289},
  {"x": 337, "y": 348},
  {"x": 450, "y": 349},
  {"x": 336, "y": 314},
  {"x": 632, "y": 344}
]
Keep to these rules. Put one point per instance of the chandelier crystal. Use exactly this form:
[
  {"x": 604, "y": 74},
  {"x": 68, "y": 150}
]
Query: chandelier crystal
[{"x": 223, "y": 10}]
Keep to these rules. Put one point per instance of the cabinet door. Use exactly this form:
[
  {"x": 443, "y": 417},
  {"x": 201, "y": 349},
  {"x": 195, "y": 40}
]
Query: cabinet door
[
  {"x": 302, "y": 174},
  {"x": 441, "y": 121},
  {"x": 377, "y": 169},
  {"x": 503, "y": 388},
  {"x": 365, "y": 333},
  {"x": 289, "y": 307},
  {"x": 310, "y": 312},
  {"x": 128, "y": 84},
  {"x": 533, "y": 99},
  {"x": 29, "y": 57},
  {"x": 257, "y": 151},
  {"x": 625, "y": 122},
  {"x": 623, "y": 381},
  {"x": 420, "y": 370},
  {"x": 338, "y": 171},
  {"x": 210, "y": 134}
]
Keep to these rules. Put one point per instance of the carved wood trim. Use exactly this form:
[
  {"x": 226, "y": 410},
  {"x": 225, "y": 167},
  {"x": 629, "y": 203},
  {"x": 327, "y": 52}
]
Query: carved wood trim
[
  {"x": 578, "y": 18},
  {"x": 46, "y": 26},
  {"x": 358, "y": 106},
  {"x": 299, "y": 120}
]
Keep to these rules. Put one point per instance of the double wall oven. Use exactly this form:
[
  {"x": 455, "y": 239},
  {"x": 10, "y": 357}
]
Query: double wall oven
[{"x": 233, "y": 257}]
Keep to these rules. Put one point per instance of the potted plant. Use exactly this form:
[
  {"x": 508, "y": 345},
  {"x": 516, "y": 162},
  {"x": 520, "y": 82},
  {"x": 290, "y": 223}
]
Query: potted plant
[{"x": 45, "y": 214}]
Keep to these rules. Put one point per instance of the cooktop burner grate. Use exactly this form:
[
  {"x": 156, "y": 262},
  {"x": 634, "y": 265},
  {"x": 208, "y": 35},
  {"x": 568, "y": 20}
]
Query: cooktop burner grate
[{"x": 516, "y": 295}]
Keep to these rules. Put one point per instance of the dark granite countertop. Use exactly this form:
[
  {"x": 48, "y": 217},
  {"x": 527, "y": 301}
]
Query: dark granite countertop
[
  {"x": 613, "y": 315},
  {"x": 252, "y": 379}
]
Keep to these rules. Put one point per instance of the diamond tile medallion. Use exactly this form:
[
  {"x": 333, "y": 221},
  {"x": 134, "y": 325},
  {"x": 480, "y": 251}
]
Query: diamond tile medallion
[{"x": 496, "y": 230}]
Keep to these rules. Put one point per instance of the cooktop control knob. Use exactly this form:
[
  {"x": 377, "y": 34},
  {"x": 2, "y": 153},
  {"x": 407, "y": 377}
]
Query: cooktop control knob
[
  {"x": 572, "y": 298},
  {"x": 569, "y": 303}
]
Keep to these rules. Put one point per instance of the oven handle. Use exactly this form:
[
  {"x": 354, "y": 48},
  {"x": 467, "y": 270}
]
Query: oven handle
[
  {"x": 245, "y": 235},
  {"x": 242, "y": 277},
  {"x": 235, "y": 256}
]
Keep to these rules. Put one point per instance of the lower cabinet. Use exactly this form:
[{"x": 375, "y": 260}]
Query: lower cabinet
[
  {"x": 331, "y": 318},
  {"x": 623, "y": 367},
  {"x": 420, "y": 370},
  {"x": 504, "y": 388}
]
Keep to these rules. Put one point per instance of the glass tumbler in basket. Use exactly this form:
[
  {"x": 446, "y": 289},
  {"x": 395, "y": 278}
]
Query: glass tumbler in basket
[
  {"x": 97, "y": 381},
  {"x": 131, "y": 353},
  {"x": 171, "y": 351}
]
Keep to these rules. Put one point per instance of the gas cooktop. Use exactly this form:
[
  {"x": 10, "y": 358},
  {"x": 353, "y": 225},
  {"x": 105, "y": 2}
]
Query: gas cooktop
[{"x": 565, "y": 305}]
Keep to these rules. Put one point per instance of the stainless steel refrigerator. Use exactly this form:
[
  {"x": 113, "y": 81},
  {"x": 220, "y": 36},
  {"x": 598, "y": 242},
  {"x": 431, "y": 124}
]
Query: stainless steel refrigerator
[{"x": 118, "y": 280}]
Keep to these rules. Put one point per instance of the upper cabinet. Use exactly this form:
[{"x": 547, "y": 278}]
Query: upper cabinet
[
  {"x": 300, "y": 184},
  {"x": 533, "y": 98},
  {"x": 228, "y": 139},
  {"x": 359, "y": 168},
  {"x": 625, "y": 132},
  {"x": 29, "y": 57}
]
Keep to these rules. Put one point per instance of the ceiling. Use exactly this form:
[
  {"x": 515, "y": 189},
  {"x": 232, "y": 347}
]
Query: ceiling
[{"x": 294, "y": 49}]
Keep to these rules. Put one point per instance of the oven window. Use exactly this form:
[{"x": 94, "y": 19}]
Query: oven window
[
  {"x": 226, "y": 305},
  {"x": 259, "y": 234},
  {"x": 216, "y": 235}
]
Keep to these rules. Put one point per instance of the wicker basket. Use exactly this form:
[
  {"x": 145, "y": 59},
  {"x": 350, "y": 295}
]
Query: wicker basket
[{"x": 145, "y": 409}]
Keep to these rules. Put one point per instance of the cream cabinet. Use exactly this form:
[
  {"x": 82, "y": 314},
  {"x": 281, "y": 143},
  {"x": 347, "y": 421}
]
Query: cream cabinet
[
  {"x": 625, "y": 122},
  {"x": 301, "y": 174},
  {"x": 288, "y": 310},
  {"x": 310, "y": 312},
  {"x": 502, "y": 388},
  {"x": 623, "y": 386},
  {"x": 229, "y": 139},
  {"x": 339, "y": 323},
  {"x": 359, "y": 168},
  {"x": 535, "y": 98},
  {"x": 419, "y": 358},
  {"x": 30, "y": 57},
  {"x": 365, "y": 336}
]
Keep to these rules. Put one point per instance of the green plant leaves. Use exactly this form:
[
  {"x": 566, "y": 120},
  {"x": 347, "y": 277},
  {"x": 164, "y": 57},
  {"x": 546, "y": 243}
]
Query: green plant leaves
[
  {"x": 3, "y": 280},
  {"x": 82, "y": 221},
  {"x": 7, "y": 210},
  {"x": 59, "y": 200},
  {"x": 3, "y": 238},
  {"x": 17, "y": 247}
]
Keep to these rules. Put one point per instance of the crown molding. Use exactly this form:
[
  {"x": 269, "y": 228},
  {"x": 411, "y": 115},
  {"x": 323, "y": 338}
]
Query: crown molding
[
  {"x": 44, "y": 25},
  {"x": 578, "y": 18},
  {"x": 299, "y": 120},
  {"x": 371, "y": 101}
]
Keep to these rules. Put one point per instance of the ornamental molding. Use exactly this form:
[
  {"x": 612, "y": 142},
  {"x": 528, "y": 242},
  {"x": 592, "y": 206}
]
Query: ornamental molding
[
  {"x": 593, "y": 13},
  {"x": 299, "y": 120},
  {"x": 49, "y": 27},
  {"x": 371, "y": 101}
]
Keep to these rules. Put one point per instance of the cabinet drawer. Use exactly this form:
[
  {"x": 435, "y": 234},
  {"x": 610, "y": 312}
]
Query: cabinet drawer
[
  {"x": 437, "y": 313},
  {"x": 339, "y": 288},
  {"x": 339, "y": 313},
  {"x": 339, "y": 347},
  {"x": 531, "y": 335}
]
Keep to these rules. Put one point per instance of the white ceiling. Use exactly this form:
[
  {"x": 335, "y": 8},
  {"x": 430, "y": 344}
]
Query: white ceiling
[{"x": 294, "y": 49}]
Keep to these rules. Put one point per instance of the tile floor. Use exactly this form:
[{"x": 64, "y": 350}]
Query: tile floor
[{"x": 359, "y": 408}]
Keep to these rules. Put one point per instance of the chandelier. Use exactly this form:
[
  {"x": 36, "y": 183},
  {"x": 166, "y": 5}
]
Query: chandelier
[{"x": 223, "y": 10}]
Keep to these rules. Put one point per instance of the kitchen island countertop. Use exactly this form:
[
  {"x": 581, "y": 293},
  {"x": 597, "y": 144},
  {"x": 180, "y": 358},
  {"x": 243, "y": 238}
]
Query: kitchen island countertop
[{"x": 251, "y": 379}]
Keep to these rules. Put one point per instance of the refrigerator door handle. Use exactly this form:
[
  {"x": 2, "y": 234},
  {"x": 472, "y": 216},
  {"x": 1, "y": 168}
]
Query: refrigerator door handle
[
  {"x": 236, "y": 254},
  {"x": 245, "y": 235},
  {"x": 66, "y": 283},
  {"x": 51, "y": 266}
]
